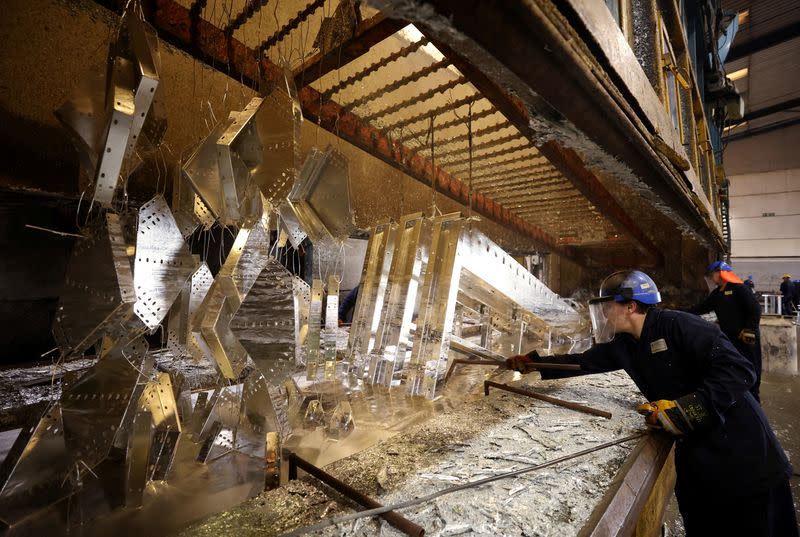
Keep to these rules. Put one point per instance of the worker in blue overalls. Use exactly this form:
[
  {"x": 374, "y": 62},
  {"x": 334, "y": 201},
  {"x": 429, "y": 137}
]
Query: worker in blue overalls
[
  {"x": 732, "y": 475},
  {"x": 738, "y": 314}
]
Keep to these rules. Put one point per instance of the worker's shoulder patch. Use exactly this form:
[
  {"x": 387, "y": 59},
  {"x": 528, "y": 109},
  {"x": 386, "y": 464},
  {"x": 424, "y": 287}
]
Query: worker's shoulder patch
[
  {"x": 658, "y": 345},
  {"x": 728, "y": 293}
]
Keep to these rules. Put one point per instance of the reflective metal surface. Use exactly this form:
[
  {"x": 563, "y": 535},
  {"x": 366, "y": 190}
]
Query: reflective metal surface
[
  {"x": 372, "y": 290},
  {"x": 408, "y": 266},
  {"x": 321, "y": 196},
  {"x": 162, "y": 264},
  {"x": 131, "y": 84},
  {"x": 98, "y": 290},
  {"x": 211, "y": 323},
  {"x": 202, "y": 171},
  {"x": 311, "y": 347},
  {"x": 266, "y": 321},
  {"x": 290, "y": 229}
]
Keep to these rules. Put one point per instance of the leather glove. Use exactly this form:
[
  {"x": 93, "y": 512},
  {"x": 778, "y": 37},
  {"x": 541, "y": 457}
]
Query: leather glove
[
  {"x": 748, "y": 337},
  {"x": 664, "y": 414},
  {"x": 523, "y": 363}
]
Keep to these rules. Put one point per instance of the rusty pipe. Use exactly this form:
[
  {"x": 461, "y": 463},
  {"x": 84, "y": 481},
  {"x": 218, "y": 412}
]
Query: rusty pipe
[
  {"x": 552, "y": 400},
  {"x": 393, "y": 518}
]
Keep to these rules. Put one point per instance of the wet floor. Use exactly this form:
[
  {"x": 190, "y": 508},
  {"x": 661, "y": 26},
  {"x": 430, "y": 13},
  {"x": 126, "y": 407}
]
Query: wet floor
[{"x": 780, "y": 397}]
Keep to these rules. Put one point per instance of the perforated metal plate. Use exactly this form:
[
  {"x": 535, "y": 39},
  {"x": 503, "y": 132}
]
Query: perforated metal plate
[
  {"x": 290, "y": 227},
  {"x": 94, "y": 406},
  {"x": 312, "y": 344},
  {"x": 409, "y": 263},
  {"x": 265, "y": 323},
  {"x": 163, "y": 262},
  {"x": 37, "y": 456},
  {"x": 372, "y": 288},
  {"x": 183, "y": 201},
  {"x": 321, "y": 196},
  {"x": 98, "y": 290},
  {"x": 302, "y": 305},
  {"x": 211, "y": 323},
  {"x": 129, "y": 93}
]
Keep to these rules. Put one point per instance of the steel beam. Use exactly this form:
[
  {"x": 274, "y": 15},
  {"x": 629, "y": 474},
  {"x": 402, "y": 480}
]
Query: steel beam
[
  {"x": 565, "y": 160},
  {"x": 368, "y": 33},
  {"x": 531, "y": 46}
]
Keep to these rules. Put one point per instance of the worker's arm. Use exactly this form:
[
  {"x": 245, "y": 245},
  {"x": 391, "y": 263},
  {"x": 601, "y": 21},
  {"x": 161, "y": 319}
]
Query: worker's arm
[
  {"x": 598, "y": 359},
  {"x": 706, "y": 306},
  {"x": 348, "y": 303},
  {"x": 752, "y": 311},
  {"x": 727, "y": 375}
]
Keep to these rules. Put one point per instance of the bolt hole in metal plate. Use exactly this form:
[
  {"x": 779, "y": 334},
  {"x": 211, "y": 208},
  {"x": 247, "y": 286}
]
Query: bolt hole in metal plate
[{"x": 163, "y": 262}]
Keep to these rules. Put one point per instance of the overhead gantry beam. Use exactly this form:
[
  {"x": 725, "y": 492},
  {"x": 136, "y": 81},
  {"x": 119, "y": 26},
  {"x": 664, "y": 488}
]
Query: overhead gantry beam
[
  {"x": 550, "y": 62},
  {"x": 565, "y": 160},
  {"x": 184, "y": 29}
]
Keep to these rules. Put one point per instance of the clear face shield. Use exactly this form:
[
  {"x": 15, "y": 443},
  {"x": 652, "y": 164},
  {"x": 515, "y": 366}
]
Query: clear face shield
[{"x": 600, "y": 312}]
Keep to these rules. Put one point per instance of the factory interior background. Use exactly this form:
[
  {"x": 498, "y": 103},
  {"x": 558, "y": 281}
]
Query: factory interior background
[{"x": 263, "y": 261}]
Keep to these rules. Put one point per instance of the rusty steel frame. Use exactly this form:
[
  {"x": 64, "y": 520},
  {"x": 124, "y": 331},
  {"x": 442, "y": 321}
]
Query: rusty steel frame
[
  {"x": 481, "y": 146},
  {"x": 449, "y": 107},
  {"x": 392, "y": 517},
  {"x": 187, "y": 31},
  {"x": 564, "y": 159},
  {"x": 424, "y": 96},
  {"x": 399, "y": 83},
  {"x": 368, "y": 33},
  {"x": 292, "y": 24},
  {"x": 448, "y": 124}
]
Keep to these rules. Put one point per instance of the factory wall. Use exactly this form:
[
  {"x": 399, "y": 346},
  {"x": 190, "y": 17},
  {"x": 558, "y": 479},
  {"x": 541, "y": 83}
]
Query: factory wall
[{"x": 764, "y": 173}]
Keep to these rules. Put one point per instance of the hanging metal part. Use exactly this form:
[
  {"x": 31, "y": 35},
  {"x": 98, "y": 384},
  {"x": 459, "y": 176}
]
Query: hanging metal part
[
  {"x": 395, "y": 519},
  {"x": 372, "y": 68},
  {"x": 265, "y": 322},
  {"x": 546, "y": 398},
  {"x": 98, "y": 291},
  {"x": 321, "y": 196},
  {"x": 162, "y": 264},
  {"x": 292, "y": 24},
  {"x": 130, "y": 87}
]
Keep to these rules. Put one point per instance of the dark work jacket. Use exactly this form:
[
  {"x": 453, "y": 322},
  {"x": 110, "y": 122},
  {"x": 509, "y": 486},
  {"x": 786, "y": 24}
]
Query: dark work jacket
[
  {"x": 736, "y": 308},
  {"x": 732, "y": 450}
]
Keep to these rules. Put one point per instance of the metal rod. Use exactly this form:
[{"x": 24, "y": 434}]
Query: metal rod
[
  {"x": 458, "y": 361},
  {"x": 552, "y": 400},
  {"x": 470, "y": 484},
  {"x": 395, "y": 519}
]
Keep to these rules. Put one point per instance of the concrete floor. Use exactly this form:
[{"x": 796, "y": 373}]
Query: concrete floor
[{"x": 780, "y": 397}]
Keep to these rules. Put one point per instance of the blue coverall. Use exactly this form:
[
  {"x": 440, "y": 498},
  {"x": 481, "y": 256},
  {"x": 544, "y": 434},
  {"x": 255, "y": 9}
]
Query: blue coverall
[{"x": 732, "y": 474}]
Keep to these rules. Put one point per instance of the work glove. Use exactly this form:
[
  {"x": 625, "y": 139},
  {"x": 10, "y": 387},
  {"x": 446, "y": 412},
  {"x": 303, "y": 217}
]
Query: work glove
[
  {"x": 667, "y": 415},
  {"x": 523, "y": 363},
  {"x": 748, "y": 337}
]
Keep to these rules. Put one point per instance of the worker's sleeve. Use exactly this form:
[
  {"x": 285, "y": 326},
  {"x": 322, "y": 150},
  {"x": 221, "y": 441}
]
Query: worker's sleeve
[
  {"x": 598, "y": 359},
  {"x": 726, "y": 375},
  {"x": 348, "y": 303},
  {"x": 703, "y": 307},
  {"x": 752, "y": 310}
]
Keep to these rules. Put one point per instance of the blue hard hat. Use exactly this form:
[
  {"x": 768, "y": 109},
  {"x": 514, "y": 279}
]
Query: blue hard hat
[
  {"x": 626, "y": 285},
  {"x": 718, "y": 265}
]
